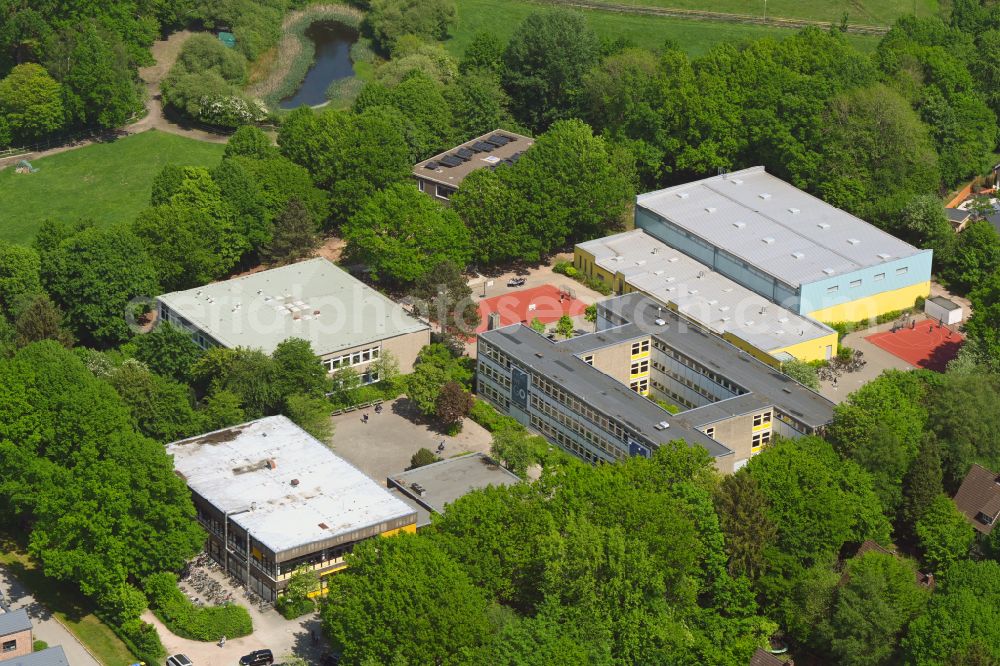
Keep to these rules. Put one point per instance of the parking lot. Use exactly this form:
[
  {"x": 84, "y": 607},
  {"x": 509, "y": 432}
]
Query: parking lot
[{"x": 385, "y": 444}]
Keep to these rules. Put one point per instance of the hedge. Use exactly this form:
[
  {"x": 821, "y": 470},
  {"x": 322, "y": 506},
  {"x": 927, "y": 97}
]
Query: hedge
[{"x": 186, "y": 620}]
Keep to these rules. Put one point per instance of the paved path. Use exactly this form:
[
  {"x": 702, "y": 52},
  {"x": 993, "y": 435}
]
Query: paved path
[{"x": 46, "y": 627}]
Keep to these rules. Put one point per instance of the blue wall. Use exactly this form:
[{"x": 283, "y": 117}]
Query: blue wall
[{"x": 816, "y": 296}]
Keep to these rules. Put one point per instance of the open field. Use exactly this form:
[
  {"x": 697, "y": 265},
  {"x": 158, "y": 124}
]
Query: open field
[
  {"x": 106, "y": 182},
  {"x": 502, "y": 17},
  {"x": 69, "y": 606},
  {"x": 869, "y": 12}
]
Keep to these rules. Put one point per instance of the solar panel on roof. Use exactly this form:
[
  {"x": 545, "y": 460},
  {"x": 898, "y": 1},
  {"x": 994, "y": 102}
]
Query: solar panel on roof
[
  {"x": 499, "y": 140},
  {"x": 465, "y": 153},
  {"x": 431, "y": 165},
  {"x": 483, "y": 147},
  {"x": 451, "y": 161}
]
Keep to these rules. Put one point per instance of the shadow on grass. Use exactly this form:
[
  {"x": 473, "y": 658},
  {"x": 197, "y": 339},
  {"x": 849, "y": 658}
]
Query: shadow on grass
[{"x": 26, "y": 578}]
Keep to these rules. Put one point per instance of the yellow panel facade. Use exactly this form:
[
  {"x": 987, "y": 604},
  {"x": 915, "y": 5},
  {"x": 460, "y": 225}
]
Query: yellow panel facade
[
  {"x": 409, "y": 529},
  {"x": 872, "y": 306},
  {"x": 813, "y": 350}
]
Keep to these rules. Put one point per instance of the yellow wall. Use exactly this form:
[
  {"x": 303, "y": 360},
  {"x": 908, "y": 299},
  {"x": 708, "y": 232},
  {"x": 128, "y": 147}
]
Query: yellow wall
[
  {"x": 811, "y": 350},
  {"x": 872, "y": 306},
  {"x": 409, "y": 529}
]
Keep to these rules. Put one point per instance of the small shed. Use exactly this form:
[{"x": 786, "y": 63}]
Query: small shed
[
  {"x": 228, "y": 38},
  {"x": 944, "y": 310}
]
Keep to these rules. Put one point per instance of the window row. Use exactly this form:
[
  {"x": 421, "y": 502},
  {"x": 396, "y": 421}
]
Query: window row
[
  {"x": 639, "y": 367},
  {"x": 495, "y": 396},
  {"x": 574, "y": 405},
  {"x": 761, "y": 419},
  {"x": 351, "y": 359},
  {"x": 569, "y": 444},
  {"x": 697, "y": 367},
  {"x": 760, "y": 439},
  {"x": 573, "y": 425},
  {"x": 640, "y": 386},
  {"x": 498, "y": 377},
  {"x": 675, "y": 398},
  {"x": 494, "y": 354},
  {"x": 640, "y": 347}
]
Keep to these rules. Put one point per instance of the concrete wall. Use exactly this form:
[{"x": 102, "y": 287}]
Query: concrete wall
[{"x": 22, "y": 644}]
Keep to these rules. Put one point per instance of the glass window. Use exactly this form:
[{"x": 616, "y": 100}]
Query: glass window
[
  {"x": 879, "y": 277},
  {"x": 444, "y": 192},
  {"x": 589, "y": 359},
  {"x": 832, "y": 290},
  {"x": 757, "y": 419},
  {"x": 710, "y": 432},
  {"x": 855, "y": 283},
  {"x": 902, "y": 271},
  {"x": 9, "y": 646}
]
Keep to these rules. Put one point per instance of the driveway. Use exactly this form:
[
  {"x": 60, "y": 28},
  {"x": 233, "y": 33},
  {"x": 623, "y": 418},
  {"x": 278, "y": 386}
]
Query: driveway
[
  {"x": 45, "y": 626},
  {"x": 385, "y": 444}
]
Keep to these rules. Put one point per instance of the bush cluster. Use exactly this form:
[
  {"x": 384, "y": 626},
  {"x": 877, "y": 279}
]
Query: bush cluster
[{"x": 189, "y": 621}]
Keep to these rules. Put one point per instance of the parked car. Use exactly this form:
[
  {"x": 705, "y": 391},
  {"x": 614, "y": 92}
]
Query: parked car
[
  {"x": 257, "y": 658},
  {"x": 178, "y": 660},
  {"x": 516, "y": 282}
]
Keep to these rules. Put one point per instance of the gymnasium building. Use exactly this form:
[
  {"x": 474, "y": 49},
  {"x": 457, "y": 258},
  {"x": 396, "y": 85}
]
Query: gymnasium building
[{"x": 788, "y": 246}]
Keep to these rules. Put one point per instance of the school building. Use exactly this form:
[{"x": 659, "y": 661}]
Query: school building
[
  {"x": 602, "y": 396},
  {"x": 273, "y": 498}
]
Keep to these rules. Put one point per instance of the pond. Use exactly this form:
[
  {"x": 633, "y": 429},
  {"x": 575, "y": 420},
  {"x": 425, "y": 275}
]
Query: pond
[{"x": 332, "y": 62}]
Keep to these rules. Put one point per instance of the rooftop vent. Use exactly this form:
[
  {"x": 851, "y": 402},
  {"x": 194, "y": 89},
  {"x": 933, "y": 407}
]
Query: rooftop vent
[
  {"x": 783, "y": 319},
  {"x": 883, "y": 256},
  {"x": 823, "y": 225},
  {"x": 659, "y": 272},
  {"x": 662, "y": 425},
  {"x": 295, "y": 483},
  {"x": 793, "y": 211},
  {"x": 271, "y": 464},
  {"x": 710, "y": 209},
  {"x": 538, "y": 354},
  {"x": 798, "y": 255},
  {"x": 764, "y": 195},
  {"x": 739, "y": 225},
  {"x": 324, "y": 526},
  {"x": 692, "y": 291},
  {"x": 737, "y": 181},
  {"x": 768, "y": 239},
  {"x": 673, "y": 259},
  {"x": 723, "y": 308},
  {"x": 660, "y": 322},
  {"x": 853, "y": 241},
  {"x": 682, "y": 195},
  {"x": 829, "y": 271}
]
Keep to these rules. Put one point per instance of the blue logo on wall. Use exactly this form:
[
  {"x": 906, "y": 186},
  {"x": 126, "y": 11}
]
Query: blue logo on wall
[
  {"x": 637, "y": 449},
  {"x": 519, "y": 387}
]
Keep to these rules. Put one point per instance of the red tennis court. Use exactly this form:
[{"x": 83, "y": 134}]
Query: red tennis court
[
  {"x": 547, "y": 303},
  {"x": 927, "y": 345}
]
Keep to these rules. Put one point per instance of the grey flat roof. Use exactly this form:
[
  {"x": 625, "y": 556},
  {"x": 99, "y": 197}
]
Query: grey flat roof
[
  {"x": 560, "y": 362},
  {"x": 230, "y": 469},
  {"x": 774, "y": 226},
  {"x": 313, "y": 300},
  {"x": 52, "y": 656},
  {"x": 447, "y": 480},
  {"x": 14, "y": 621},
  {"x": 700, "y": 293},
  {"x": 453, "y": 176},
  {"x": 945, "y": 303},
  {"x": 765, "y": 382}
]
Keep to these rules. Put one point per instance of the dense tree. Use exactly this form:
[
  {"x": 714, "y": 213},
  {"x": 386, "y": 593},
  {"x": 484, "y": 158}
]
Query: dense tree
[
  {"x": 31, "y": 103},
  {"x": 299, "y": 370},
  {"x": 294, "y": 236},
  {"x": 975, "y": 257},
  {"x": 484, "y": 53},
  {"x": 923, "y": 223},
  {"x": 944, "y": 534},
  {"x": 249, "y": 374},
  {"x": 512, "y": 448},
  {"x": 478, "y": 104},
  {"x": 37, "y": 318},
  {"x": 221, "y": 409},
  {"x": 961, "y": 618},
  {"x": 405, "y": 586},
  {"x": 391, "y": 19},
  {"x": 544, "y": 65},
  {"x": 922, "y": 483},
  {"x": 19, "y": 274},
  {"x": 352, "y": 156},
  {"x": 873, "y": 607},
  {"x": 401, "y": 235},
  {"x": 743, "y": 517},
  {"x": 167, "y": 350},
  {"x": 421, "y": 111},
  {"x": 983, "y": 327},
  {"x": 312, "y": 414},
  {"x": 95, "y": 276},
  {"x": 802, "y": 372},
  {"x": 250, "y": 141},
  {"x": 453, "y": 404},
  {"x": 422, "y": 457},
  {"x": 498, "y": 219},
  {"x": 964, "y": 414},
  {"x": 446, "y": 298},
  {"x": 161, "y": 408}
]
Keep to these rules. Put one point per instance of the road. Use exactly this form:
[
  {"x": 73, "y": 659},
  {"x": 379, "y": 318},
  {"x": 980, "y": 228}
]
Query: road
[{"x": 46, "y": 627}]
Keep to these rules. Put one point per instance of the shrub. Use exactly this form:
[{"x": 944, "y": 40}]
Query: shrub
[
  {"x": 293, "y": 608},
  {"x": 38, "y": 646},
  {"x": 485, "y": 415},
  {"x": 423, "y": 457},
  {"x": 143, "y": 640},
  {"x": 189, "y": 621},
  {"x": 562, "y": 267}
]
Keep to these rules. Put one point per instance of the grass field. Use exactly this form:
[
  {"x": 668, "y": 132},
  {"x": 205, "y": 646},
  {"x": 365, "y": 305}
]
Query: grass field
[
  {"x": 502, "y": 17},
  {"x": 71, "y": 608},
  {"x": 867, "y": 12},
  {"x": 106, "y": 182}
]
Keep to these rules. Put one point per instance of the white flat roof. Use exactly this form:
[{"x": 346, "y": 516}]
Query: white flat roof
[
  {"x": 313, "y": 300},
  {"x": 776, "y": 227},
  {"x": 701, "y": 294},
  {"x": 230, "y": 469}
]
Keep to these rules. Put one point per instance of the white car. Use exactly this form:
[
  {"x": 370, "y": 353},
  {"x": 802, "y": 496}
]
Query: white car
[{"x": 178, "y": 660}]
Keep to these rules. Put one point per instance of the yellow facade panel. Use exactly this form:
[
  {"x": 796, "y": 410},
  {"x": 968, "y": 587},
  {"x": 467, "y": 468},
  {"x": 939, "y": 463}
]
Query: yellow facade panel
[
  {"x": 873, "y": 306},
  {"x": 812, "y": 350}
]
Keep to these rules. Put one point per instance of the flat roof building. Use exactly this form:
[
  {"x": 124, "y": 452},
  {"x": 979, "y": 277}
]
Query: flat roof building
[
  {"x": 16, "y": 639},
  {"x": 787, "y": 245},
  {"x": 436, "y": 485},
  {"x": 348, "y": 323},
  {"x": 441, "y": 175},
  {"x": 636, "y": 261},
  {"x": 269, "y": 488},
  {"x": 51, "y": 656},
  {"x": 599, "y": 395}
]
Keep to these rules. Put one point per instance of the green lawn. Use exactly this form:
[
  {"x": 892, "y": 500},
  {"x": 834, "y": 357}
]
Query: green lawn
[
  {"x": 867, "y": 12},
  {"x": 106, "y": 182},
  {"x": 68, "y": 605},
  {"x": 696, "y": 37}
]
